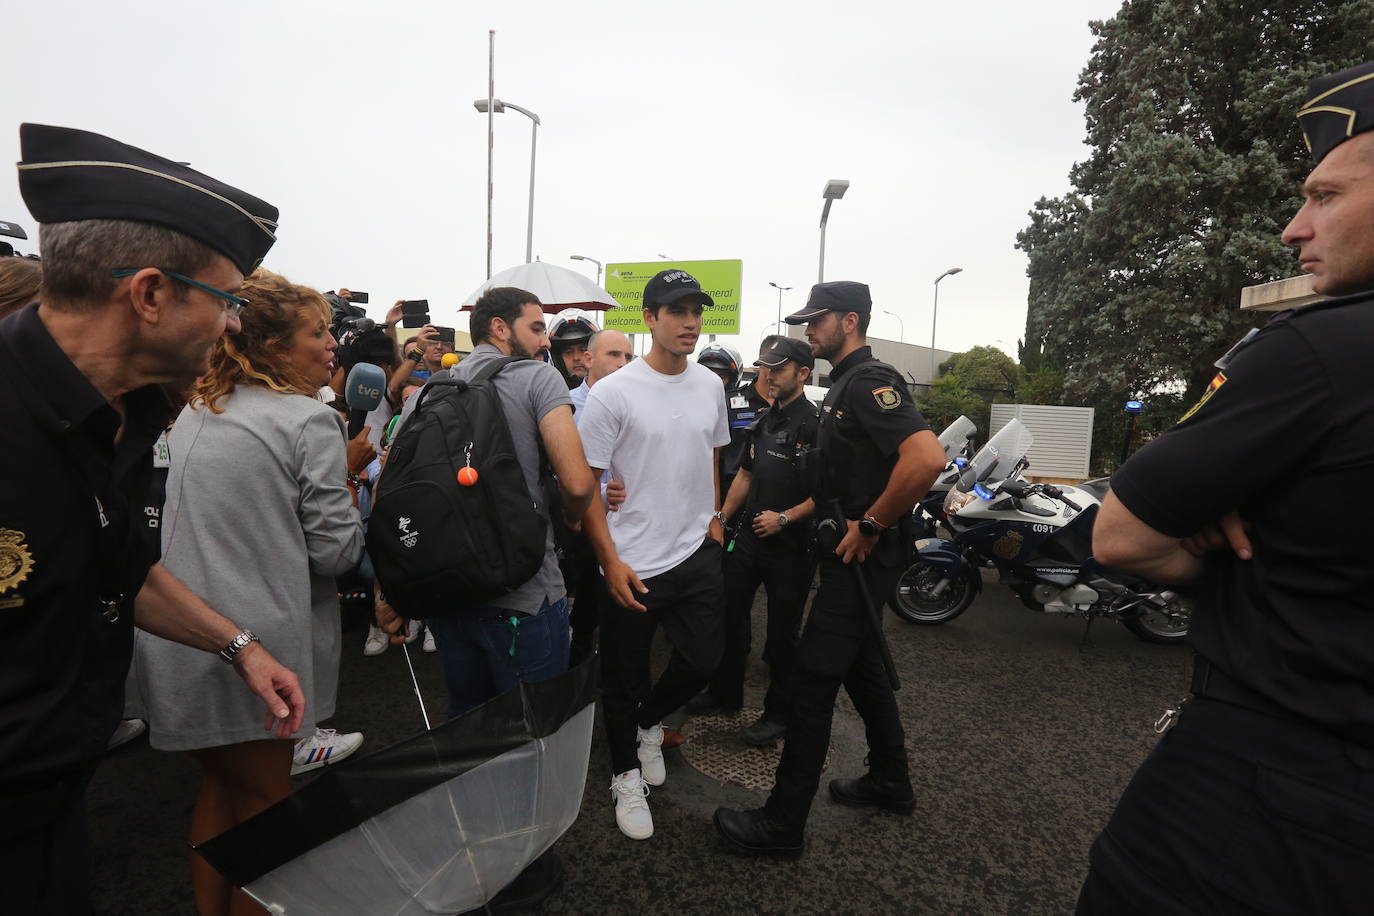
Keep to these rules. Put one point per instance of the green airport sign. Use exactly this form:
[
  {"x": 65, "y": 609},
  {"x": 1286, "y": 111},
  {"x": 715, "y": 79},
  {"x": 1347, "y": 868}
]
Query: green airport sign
[{"x": 719, "y": 279}]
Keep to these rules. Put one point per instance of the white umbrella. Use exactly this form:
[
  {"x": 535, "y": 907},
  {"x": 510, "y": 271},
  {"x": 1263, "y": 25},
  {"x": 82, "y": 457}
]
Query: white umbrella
[{"x": 558, "y": 288}]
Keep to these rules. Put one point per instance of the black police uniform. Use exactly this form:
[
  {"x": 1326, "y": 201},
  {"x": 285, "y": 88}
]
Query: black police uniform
[
  {"x": 75, "y": 548},
  {"x": 864, "y": 421},
  {"x": 782, "y": 563},
  {"x": 743, "y": 406},
  {"x": 1258, "y": 799}
]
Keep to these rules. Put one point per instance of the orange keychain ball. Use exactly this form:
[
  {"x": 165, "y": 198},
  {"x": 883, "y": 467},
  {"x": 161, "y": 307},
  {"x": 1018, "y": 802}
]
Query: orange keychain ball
[{"x": 467, "y": 476}]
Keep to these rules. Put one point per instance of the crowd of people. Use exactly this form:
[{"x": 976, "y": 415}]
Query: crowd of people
[{"x": 187, "y": 469}]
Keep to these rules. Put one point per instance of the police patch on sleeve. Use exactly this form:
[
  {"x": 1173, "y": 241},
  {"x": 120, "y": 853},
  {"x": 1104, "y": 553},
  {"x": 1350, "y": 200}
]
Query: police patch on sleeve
[
  {"x": 1213, "y": 388},
  {"x": 16, "y": 563},
  {"x": 887, "y": 397}
]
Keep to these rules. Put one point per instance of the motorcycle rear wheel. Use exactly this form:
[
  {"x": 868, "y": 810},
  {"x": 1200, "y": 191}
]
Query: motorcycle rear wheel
[
  {"x": 1166, "y": 625},
  {"x": 914, "y": 599}
]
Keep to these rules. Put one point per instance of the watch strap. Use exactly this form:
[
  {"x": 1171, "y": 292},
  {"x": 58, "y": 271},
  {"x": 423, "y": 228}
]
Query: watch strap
[{"x": 237, "y": 645}]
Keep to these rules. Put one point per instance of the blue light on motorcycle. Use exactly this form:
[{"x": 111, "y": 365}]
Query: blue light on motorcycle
[
  {"x": 983, "y": 492},
  {"x": 1134, "y": 407},
  {"x": 960, "y": 463}
]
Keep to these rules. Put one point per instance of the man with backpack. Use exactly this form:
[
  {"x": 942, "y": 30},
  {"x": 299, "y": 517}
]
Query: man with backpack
[{"x": 486, "y": 644}]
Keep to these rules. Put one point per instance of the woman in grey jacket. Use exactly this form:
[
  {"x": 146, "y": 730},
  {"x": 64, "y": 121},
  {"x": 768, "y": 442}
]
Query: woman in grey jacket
[{"x": 258, "y": 520}]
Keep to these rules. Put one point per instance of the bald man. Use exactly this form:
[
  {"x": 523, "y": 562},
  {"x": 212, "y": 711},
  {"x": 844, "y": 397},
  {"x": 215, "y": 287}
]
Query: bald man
[{"x": 607, "y": 351}]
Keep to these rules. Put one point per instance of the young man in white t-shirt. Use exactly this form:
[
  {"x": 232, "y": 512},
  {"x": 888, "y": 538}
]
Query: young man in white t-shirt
[{"x": 656, "y": 425}]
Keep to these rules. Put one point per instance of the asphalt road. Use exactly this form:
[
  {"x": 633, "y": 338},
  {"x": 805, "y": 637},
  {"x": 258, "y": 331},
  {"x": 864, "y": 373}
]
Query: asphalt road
[{"x": 1021, "y": 738}]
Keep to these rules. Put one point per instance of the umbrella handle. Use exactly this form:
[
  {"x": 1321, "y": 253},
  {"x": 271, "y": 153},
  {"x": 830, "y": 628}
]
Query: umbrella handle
[{"x": 405, "y": 650}]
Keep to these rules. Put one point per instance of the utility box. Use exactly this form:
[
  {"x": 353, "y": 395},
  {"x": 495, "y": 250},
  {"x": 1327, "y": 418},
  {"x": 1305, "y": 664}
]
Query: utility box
[{"x": 1063, "y": 438}]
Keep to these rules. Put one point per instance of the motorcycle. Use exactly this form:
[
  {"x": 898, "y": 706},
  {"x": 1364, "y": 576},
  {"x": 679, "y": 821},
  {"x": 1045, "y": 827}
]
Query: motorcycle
[
  {"x": 956, "y": 440},
  {"x": 1039, "y": 538}
]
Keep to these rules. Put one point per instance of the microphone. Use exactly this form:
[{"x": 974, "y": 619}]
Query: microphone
[{"x": 363, "y": 392}]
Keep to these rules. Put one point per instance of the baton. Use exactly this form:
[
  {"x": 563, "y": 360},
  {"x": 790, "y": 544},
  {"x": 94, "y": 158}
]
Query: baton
[{"x": 835, "y": 523}]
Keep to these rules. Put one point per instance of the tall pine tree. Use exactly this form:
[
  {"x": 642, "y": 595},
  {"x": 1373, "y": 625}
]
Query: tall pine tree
[{"x": 1135, "y": 274}]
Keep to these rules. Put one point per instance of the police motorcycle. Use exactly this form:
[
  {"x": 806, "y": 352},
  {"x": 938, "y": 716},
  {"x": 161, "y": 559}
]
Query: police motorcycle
[
  {"x": 957, "y": 442},
  {"x": 1039, "y": 538}
]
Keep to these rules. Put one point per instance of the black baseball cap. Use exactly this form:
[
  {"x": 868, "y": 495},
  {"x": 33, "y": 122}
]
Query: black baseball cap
[
  {"x": 69, "y": 175},
  {"x": 799, "y": 351},
  {"x": 836, "y": 296},
  {"x": 669, "y": 286},
  {"x": 1338, "y": 107}
]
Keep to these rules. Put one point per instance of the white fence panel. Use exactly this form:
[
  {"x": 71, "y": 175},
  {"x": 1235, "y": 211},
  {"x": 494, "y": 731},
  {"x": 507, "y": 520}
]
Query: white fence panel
[{"x": 1063, "y": 437}]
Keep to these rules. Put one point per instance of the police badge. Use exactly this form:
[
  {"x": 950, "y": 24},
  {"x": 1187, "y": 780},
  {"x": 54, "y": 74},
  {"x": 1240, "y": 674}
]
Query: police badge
[{"x": 16, "y": 563}]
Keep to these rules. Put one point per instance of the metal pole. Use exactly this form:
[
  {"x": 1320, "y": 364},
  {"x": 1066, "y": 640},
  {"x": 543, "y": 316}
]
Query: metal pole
[
  {"x": 934, "y": 312},
  {"x": 820, "y": 273},
  {"x": 529, "y": 222},
  {"x": 491, "y": 134},
  {"x": 901, "y": 325}
]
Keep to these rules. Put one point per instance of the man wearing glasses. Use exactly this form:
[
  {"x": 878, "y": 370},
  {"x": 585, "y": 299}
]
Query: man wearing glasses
[{"x": 141, "y": 259}]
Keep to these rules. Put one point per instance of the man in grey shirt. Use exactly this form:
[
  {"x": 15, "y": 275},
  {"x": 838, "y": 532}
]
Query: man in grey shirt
[{"x": 523, "y": 635}]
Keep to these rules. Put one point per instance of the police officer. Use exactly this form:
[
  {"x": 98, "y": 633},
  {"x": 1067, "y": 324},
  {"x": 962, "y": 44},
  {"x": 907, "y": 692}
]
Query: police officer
[
  {"x": 141, "y": 257},
  {"x": 772, "y": 542},
  {"x": 1258, "y": 799},
  {"x": 569, "y": 335},
  {"x": 877, "y": 456}
]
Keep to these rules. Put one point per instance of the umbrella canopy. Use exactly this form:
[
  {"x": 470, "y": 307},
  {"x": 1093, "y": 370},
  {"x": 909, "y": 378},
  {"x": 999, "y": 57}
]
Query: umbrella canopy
[
  {"x": 439, "y": 823},
  {"x": 558, "y": 288}
]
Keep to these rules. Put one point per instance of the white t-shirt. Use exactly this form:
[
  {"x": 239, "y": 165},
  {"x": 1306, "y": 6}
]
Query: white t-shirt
[{"x": 657, "y": 434}]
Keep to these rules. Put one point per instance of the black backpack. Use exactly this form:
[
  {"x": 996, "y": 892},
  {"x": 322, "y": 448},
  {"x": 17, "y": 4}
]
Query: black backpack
[{"x": 436, "y": 545}]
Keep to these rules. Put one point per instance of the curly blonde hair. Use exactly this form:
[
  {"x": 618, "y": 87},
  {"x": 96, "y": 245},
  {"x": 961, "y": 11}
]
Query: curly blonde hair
[{"x": 256, "y": 355}]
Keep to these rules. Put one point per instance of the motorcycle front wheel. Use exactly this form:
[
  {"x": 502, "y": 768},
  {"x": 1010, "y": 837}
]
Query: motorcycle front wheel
[
  {"x": 914, "y": 599},
  {"x": 1167, "y": 625}
]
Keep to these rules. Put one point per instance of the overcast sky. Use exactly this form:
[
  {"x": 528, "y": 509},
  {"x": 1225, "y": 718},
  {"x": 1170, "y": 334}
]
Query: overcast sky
[{"x": 701, "y": 130}]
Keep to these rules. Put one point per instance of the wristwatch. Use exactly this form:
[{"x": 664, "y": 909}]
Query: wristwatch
[
  {"x": 783, "y": 519},
  {"x": 870, "y": 527},
  {"x": 718, "y": 516},
  {"x": 416, "y": 354},
  {"x": 236, "y": 645}
]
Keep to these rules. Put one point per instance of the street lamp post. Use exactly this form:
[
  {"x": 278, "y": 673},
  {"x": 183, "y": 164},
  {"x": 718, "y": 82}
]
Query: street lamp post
[
  {"x": 934, "y": 312},
  {"x": 901, "y": 325},
  {"x": 834, "y": 190},
  {"x": 583, "y": 257},
  {"x": 498, "y": 107},
  {"x": 781, "y": 290}
]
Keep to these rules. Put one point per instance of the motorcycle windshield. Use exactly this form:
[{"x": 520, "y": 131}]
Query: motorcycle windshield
[
  {"x": 955, "y": 435},
  {"x": 997, "y": 460}
]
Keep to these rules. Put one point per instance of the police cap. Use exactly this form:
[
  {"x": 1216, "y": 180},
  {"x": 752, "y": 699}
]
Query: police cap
[
  {"x": 1338, "y": 107},
  {"x": 799, "y": 351},
  {"x": 68, "y": 175},
  {"x": 838, "y": 296}
]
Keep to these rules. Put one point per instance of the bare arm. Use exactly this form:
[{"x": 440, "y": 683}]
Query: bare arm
[
  {"x": 1121, "y": 540},
  {"x": 621, "y": 581},
  {"x": 564, "y": 448},
  {"x": 739, "y": 489},
  {"x": 716, "y": 529},
  {"x": 166, "y": 607},
  {"x": 920, "y": 459}
]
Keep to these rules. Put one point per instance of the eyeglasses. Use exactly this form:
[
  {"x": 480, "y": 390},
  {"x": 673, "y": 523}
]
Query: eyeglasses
[{"x": 232, "y": 304}]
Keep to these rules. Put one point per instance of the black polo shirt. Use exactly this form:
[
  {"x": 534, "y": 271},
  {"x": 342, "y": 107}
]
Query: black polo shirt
[
  {"x": 864, "y": 419},
  {"x": 743, "y": 406},
  {"x": 773, "y": 457},
  {"x": 73, "y": 530},
  {"x": 1285, "y": 435}
]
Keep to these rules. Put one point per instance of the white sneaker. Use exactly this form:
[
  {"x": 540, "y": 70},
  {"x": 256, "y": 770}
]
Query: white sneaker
[
  {"x": 324, "y": 747},
  {"x": 631, "y": 805},
  {"x": 428, "y": 645},
  {"x": 126, "y": 731},
  {"x": 413, "y": 629},
  {"x": 376, "y": 642},
  {"x": 651, "y": 755}
]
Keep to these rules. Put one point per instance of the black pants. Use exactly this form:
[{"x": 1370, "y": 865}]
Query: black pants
[
  {"x": 46, "y": 870},
  {"x": 687, "y": 602},
  {"x": 786, "y": 576},
  {"x": 838, "y": 647},
  {"x": 1235, "y": 811},
  {"x": 583, "y": 580}
]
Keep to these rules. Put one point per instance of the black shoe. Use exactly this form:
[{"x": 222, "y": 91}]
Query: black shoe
[
  {"x": 706, "y": 702},
  {"x": 757, "y": 832},
  {"x": 869, "y": 791},
  {"x": 763, "y": 733}
]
